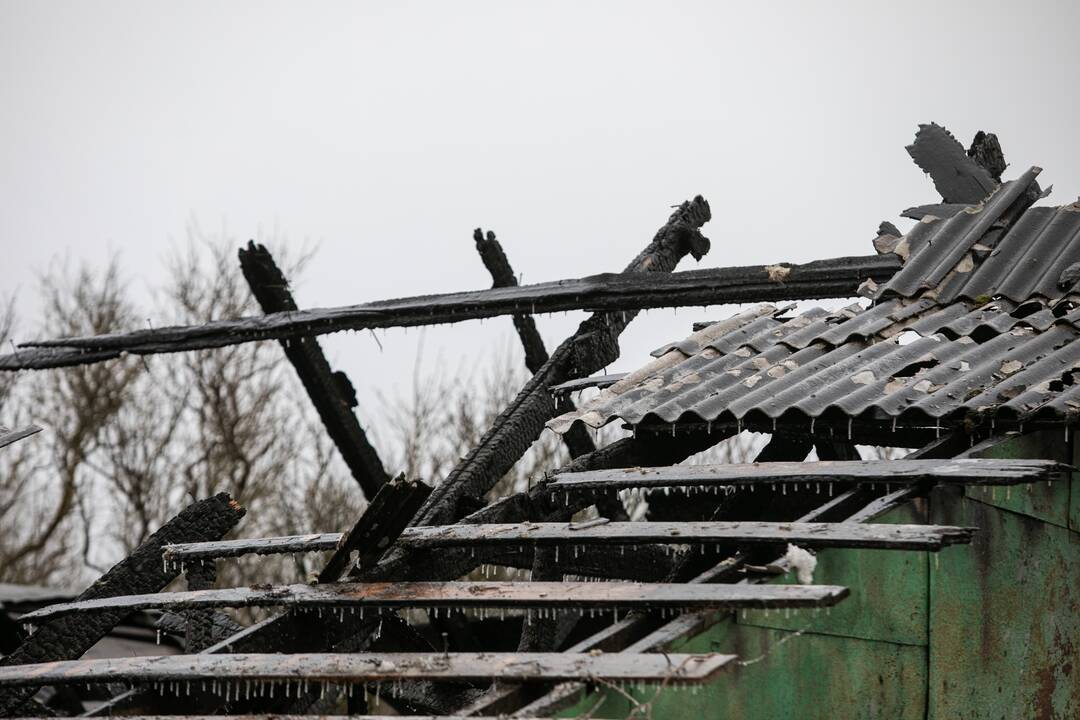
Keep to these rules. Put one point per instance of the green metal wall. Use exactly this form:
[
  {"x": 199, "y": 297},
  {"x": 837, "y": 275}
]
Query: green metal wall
[{"x": 988, "y": 630}]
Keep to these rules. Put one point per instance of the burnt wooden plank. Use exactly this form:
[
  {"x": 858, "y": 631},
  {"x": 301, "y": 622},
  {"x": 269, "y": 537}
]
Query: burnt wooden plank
[
  {"x": 895, "y": 537},
  {"x": 613, "y": 292},
  {"x": 591, "y": 347},
  {"x": 302, "y": 668},
  {"x": 140, "y": 572},
  {"x": 331, "y": 392},
  {"x": 393, "y": 505},
  {"x": 954, "y": 471},
  {"x": 8, "y": 437},
  {"x": 462, "y": 595},
  {"x": 491, "y": 252},
  {"x": 388, "y": 513},
  {"x": 177, "y": 553}
]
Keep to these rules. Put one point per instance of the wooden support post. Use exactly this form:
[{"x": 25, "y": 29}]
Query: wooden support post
[
  {"x": 141, "y": 572},
  {"x": 331, "y": 392}
]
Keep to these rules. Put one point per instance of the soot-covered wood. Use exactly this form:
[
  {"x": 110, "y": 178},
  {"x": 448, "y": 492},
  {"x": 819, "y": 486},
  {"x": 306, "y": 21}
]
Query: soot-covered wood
[
  {"x": 331, "y": 392},
  {"x": 140, "y": 572},
  {"x": 375, "y": 667},
  {"x": 494, "y": 258},
  {"x": 592, "y": 347},
  {"x": 616, "y": 293},
  {"x": 537, "y": 594}
]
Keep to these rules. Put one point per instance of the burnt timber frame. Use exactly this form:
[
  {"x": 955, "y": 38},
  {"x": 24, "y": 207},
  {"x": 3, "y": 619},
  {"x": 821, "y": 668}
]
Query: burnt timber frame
[
  {"x": 140, "y": 572},
  {"x": 331, "y": 392},
  {"x": 617, "y": 293},
  {"x": 866, "y": 502}
]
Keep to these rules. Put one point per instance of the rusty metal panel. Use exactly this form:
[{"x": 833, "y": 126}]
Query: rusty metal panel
[
  {"x": 1004, "y": 617},
  {"x": 783, "y": 675},
  {"x": 1074, "y": 492},
  {"x": 1048, "y": 501},
  {"x": 888, "y": 599},
  {"x": 301, "y": 668}
]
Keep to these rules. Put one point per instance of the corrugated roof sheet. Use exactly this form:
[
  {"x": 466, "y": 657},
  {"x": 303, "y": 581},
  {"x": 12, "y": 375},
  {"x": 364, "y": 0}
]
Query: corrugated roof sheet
[
  {"x": 975, "y": 326},
  {"x": 963, "y": 258},
  {"x": 1018, "y": 374}
]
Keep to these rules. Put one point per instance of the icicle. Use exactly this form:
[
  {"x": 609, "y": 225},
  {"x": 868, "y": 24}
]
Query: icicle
[
  {"x": 159, "y": 636},
  {"x": 849, "y": 428}
]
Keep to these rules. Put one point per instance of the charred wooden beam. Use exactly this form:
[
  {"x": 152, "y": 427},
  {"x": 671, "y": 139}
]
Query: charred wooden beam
[
  {"x": 178, "y": 553},
  {"x": 331, "y": 392},
  {"x": 620, "y": 635},
  {"x": 708, "y": 478},
  {"x": 986, "y": 151},
  {"x": 221, "y": 627},
  {"x": 8, "y": 437},
  {"x": 894, "y": 537},
  {"x": 502, "y": 276},
  {"x": 647, "y": 564},
  {"x": 233, "y": 672},
  {"x": 540, "y": 505},
  {"x": 386, "y": 516},
  {"x": 199, "y": 630},
  {"x": 494, "y": 258},
  {"x": 141, "y": 572},
  {"x": 616, "y": 293},
  {"x": 593, "y": 346},
  {"x": 535, "y": 595}
]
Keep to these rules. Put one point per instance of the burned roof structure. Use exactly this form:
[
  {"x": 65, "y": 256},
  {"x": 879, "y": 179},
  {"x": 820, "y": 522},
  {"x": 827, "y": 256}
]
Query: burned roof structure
[{"x": 962, "y": 350}]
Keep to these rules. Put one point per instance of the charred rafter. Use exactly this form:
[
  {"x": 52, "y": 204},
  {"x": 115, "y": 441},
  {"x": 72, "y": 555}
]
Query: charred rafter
[
  {"x": 613, "y": 293},
  {"x": 331, "y": 392},
  {"x": 494, "y": 258}
]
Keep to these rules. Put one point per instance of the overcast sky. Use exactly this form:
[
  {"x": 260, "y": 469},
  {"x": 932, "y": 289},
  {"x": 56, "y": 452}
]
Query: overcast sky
[{"x": 385, "y": 132}]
